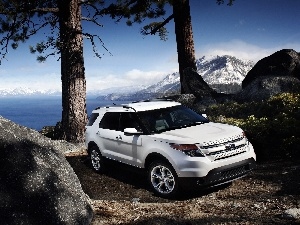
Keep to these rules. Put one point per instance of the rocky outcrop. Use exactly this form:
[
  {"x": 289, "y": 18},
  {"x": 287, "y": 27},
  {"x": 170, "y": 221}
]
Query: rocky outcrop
[
  {"x": 267, "y": 86},
  {"x": 37, "y": 184},
  {"x": 293, "y": 213},
  {"x": 275, "y": 74},
  {"x": 284, "y": 63}
]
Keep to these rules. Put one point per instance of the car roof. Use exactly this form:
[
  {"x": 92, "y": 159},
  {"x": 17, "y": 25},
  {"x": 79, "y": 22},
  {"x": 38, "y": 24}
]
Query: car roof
[
  {"x": 146, "y": 106},
  {"x": 139, "y": 106}
]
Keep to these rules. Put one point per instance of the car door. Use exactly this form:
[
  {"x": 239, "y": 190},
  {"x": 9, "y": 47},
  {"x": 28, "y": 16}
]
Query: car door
[
  {"x": 129, "y": 146},
  {"x": 108, "y": 134}
]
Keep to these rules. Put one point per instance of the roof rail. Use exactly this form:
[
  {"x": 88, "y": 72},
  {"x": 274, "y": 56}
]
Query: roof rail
[
  {"x": 107, "y": 106},
  {"x": 155, "y": 100},
  {"x": 128, "y": 107}
]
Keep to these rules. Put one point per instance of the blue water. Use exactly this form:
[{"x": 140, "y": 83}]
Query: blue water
[{"x": 36, "y": 112}]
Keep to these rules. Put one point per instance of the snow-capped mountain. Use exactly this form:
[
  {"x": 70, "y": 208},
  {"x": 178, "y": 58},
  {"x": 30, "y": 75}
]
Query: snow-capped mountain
[
  {"x": 116, "y": 90},
  {"x": 223, "y": 69},
  {"x": 21, "y": 91},
  {"x": 218, "y": 72},
  {"x": 27, "y": 92},
  {"x": 170, "y": 84}
]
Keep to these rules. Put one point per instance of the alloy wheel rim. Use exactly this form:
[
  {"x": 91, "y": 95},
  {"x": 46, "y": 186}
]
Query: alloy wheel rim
[
  {"x": 162, "y": 179},
  {"x": 95, "y": 158}
]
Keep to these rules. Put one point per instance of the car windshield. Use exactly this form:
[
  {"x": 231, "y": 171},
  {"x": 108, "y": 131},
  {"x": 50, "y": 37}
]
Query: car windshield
[{"x": 164, "y": 119}]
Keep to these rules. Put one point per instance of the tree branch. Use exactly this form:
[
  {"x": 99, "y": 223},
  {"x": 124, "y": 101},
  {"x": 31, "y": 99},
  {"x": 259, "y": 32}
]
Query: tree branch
[
  {"x": 36, "y": 10},
  {"x": 45, "y": 10},
  {"x": 92, "y": 20},
  {"x": 92, "y": 40},
  {"x": 161, "y": 25}
]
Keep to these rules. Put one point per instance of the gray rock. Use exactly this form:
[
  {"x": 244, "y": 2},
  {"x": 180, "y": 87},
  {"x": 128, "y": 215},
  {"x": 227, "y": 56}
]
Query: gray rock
[
  {"x": 267, "y": 86},
  {"x": 285, "y": 62},
  {"x": 37, "y": 184},
  {"x": 293, "y": 213},
  {"x": 186, "y": 99}
]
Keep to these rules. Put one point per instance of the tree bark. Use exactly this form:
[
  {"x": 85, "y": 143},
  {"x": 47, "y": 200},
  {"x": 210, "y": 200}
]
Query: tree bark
[
  {"x": 74, "y": 116},
  {"x": 184, "y": 37}
]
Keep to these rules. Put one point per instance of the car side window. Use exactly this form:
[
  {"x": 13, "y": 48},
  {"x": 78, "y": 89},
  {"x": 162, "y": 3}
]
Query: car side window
[
  {"x": 92, "y": 119},
  {"x": 128, "y": 120},
  {"x": 110, "y": 121}
]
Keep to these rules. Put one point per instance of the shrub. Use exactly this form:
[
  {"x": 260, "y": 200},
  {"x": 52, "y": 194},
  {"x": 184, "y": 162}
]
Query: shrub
[{"x": 273, "y": 126}]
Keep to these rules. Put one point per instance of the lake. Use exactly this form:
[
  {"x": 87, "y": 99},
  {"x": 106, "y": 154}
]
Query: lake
[{"x": 37, "y": 112}]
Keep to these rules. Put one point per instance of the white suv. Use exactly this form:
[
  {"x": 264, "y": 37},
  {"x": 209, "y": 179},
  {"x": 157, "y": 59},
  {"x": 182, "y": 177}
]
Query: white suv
[{"x": 177, "y": 147}]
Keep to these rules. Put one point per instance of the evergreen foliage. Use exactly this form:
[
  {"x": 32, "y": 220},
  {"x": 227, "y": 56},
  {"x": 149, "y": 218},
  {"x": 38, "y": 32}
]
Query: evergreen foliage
[
  {"x": 134, "y": 11},
  {"x": 272, "y": 126},
  {"x": 60, "y": 23}
]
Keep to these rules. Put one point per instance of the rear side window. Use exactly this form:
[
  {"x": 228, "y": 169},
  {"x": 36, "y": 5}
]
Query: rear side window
[
  {"x": 92, "y": 119},
  {"x": 110, "y": 121},
  {"x": 128, "y": 120}
]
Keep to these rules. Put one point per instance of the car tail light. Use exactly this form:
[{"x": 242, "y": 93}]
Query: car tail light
[{"x": 189, "y": 149}]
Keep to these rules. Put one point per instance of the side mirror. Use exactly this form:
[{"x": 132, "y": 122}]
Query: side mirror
[{"x": 132, "y": 131}]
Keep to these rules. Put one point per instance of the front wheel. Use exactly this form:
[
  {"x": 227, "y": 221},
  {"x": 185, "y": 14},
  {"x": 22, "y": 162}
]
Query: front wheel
[
  {"x": 163, "y": 179},
  {"x": 96, "y": 159}
]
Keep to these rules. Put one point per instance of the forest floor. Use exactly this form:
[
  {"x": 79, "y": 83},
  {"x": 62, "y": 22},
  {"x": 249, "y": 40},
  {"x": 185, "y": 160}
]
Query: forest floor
[{"x": 268, "y": 195}]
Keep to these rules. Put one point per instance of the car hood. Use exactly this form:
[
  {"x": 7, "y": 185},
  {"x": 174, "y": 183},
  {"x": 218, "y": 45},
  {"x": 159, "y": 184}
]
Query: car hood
[{"x": 202, "y": 133}]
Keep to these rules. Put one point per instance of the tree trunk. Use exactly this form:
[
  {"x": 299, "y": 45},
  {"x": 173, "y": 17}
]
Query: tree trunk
[
  {"x": 74, "y": 116},
  {"x": 184, "y": 37}
]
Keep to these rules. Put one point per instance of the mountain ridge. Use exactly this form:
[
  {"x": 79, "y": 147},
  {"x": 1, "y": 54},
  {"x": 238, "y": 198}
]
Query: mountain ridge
[
  {"x": 21, "y": 91},
  {"x": 219, "y": 72},
  {"x": 223, "y": 73}
]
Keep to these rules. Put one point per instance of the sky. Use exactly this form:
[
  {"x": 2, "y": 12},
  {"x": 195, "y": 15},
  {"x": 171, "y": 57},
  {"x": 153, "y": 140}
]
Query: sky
[{"x": 249, "y": 30}]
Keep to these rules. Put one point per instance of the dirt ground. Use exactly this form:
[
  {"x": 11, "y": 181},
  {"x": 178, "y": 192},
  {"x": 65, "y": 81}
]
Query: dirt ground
[{"x": 121, "y": 196}]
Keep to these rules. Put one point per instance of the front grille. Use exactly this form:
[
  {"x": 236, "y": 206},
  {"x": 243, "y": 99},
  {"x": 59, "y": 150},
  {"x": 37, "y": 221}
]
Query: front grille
[
  {"x": 224, "y": 148},
  {"x": 222, "y": 142},
  {"x": 223, "y": 175},
  {"x": 236, "y": 172},
  {"x": 232, "y": 150}
]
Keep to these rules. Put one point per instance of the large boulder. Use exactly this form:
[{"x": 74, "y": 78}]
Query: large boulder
[
  {"x": 37, "y": 184},
  {"x": 285, "y": 62},
  {"x": 262, "y": 88}
]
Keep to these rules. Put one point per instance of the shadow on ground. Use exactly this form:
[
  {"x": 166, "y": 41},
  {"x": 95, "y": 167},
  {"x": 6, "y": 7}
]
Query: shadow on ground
[{"x": 122, "y": 182}]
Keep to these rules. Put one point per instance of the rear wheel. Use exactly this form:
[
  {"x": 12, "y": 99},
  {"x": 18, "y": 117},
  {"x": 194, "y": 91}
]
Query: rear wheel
[
  {"x": 163, "y": 179},
  {"x": 96, "y": 159}
]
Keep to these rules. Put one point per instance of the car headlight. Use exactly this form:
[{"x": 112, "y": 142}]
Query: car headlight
[
  {"x": 188, "y": 149},
  {"x": 247, "y": 141}
]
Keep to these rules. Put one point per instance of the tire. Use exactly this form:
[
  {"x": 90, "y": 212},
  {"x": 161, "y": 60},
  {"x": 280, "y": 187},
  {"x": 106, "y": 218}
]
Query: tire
[
  {"x": 96, "y": 159},
  {"x": 163, "y": 179}
]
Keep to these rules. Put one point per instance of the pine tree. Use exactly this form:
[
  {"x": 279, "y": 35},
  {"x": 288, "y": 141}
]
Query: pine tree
[
  {"x": 136, "y": 11},
  {"x": 22, "y": 19},
  {"x": 61, "y": 23}
]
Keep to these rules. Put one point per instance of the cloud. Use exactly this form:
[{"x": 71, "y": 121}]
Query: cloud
[
  {"x": 49, "y": 81},
  {"x": 241, "y": 22},
  {"x": 243, "y": 50},
  {"x": 146, "y": 77},
  {"x": 130, "y": 78},
  {"x": 261, "y": 29},
  {"x": 236, "y": 48}
]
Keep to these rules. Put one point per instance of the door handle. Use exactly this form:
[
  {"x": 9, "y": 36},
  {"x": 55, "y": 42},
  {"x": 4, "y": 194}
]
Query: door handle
[
  {"x": 98, "y": 133},
  {"x": 119, "y": 137}
]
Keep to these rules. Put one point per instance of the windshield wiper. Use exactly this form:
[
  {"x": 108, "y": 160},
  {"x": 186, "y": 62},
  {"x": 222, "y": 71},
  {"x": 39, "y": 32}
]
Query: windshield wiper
[{"x": 195, "y": 123}]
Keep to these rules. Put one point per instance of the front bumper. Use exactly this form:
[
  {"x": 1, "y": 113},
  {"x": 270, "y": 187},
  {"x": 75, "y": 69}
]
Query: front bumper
[{"x": 220, "y": 175}]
